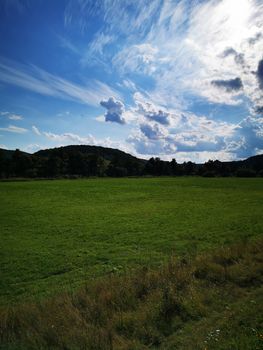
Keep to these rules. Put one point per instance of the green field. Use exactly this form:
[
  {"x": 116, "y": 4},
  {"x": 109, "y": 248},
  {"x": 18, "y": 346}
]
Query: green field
[{"x": 57, "y": 234}]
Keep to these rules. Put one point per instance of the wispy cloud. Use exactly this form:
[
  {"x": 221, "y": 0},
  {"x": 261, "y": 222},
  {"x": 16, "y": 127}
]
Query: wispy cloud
[
  {"x": 99, "y": 42},
  {"x": 137, "y": 58},
  {"x": 120, "y": 18},
  {"x": 123, "y": 16},
  {"x": 193, "y": 43},
  {"x": 95, "y": 53},
  {"x": 15, "y": 117},
  {"x": 32, "y": 147},
  {"x": 129, "y": 85},
  {"x": 69, "y": 138},
  {"x": 14, "y": 129},
  {"x": 11, "y": 116},
  {"x": 40, "y": 81},
  {"x": 169, "y": 58},
  {"x": 75, "y": 139},
  {"x": 67, "y": 44},
  {"x": 36, "y": 130}
]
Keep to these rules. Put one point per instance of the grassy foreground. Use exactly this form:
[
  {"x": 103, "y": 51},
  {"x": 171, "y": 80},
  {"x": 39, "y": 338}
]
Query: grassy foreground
[
  {"x": 57, "y": 234},
  {"x": 212, "y": 301}
]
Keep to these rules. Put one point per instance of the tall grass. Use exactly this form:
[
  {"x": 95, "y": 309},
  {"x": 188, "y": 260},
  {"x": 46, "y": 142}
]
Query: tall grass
[{"x": 197, "y": 303}]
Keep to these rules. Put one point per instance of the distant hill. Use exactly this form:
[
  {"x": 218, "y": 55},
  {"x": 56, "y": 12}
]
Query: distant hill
[
  {"x": 107, "y": 153},
  {"x": 8, "y": 154},
  {"x": 84, "y": 161},
  {"x": 255, "y": 162}
]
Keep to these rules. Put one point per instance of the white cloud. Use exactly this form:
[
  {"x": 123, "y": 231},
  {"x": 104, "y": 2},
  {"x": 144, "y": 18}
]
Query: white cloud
[
  {"x": 99, "y": 42},
  {"x": 198, "y": 138},
  {"x": 74, "y": 139},
  {"x": 36, "y": 130},
  {"x": 137, "y": 58},
  {"x": 40, "y": 81},
  {"x": 121, "y": 16},
  {"x": 32, "y": 148},
  {"x": 129, "y": 85},
  {"x": 69, "y": 138},
  {"x": 11, "y": 116},
  {"x": 248, "y": 137},
  {"x": 184, "y": 133},
  {"x": 179, "y": 52},
  {"x": 100, "y": 118},
  {"x": 115, "y": 110},
  {"x": 95, "y": 53},
  {"x": 153, "y": 113},
  {"x": 183, "y": 51},
  {"x": 154, "y": 131},
  {"x": 14, "y": 129},
  {"x": 202, "y": 157},
  {"x": 15, "y": 117},
  {"x": 67, "y": 44}
]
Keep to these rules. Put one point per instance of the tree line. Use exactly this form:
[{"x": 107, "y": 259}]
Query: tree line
[{"x": 73, "y": 162}]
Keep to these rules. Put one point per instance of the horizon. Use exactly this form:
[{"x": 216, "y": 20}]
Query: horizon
[
  {"x": 183, "y": 80},
  {"x": 116, "y": 149}
]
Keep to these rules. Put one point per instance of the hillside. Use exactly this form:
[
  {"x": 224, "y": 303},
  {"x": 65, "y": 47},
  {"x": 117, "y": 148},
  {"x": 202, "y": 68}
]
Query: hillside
[
  {"x": 84, "y": 160},
  {"x": 107, "y": 153},
  {"x": 8, "y": 154}
]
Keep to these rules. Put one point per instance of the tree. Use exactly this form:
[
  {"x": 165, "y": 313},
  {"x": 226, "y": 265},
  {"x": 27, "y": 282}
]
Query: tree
[{"x": 22, "y": 164}]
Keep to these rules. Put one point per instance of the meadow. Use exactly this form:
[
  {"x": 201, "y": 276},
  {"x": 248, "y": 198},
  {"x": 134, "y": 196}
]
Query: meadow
[{"x": 58, "y": 234}]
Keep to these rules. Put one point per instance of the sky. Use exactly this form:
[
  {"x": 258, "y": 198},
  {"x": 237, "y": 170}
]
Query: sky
[{"x": 176, "y": 79}]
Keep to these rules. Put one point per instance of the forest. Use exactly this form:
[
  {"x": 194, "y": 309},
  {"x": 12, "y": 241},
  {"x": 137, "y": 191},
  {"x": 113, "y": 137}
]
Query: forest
[{"x": 86, "y": 161}]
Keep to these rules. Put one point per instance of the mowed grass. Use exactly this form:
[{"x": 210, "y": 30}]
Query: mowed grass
[{"x": 56, "y": 235}]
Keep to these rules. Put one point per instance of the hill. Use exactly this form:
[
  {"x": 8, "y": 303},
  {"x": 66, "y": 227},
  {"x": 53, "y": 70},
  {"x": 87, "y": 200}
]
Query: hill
[
  {"x": 107, "y": 153},
  {"x": 8, "y": 154},
  {"x": 84, "y": 160}
]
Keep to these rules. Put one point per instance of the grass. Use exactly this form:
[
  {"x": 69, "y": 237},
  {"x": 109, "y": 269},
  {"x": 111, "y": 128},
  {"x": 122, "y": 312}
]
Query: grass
[
  {"x": 57, "y": 234},
  {"x": 211, "y": 301}
]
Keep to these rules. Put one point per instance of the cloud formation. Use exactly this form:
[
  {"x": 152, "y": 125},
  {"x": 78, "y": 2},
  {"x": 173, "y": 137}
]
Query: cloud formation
[
  {"x": 68, "y": 138},
  {"x": 115, "y": 110},
  {"x": 36, "y": 130},
  {"x": 191, "y": 73},
  {"x": 238, "y": 57},
  {"x": 152, "y": 113},
  {"x": 259, "y": 110},
  {"x": 38, "y": 80},
  {"x": 14, "y": 129},
  {"x": 260, "y": 73},
  {"x": 229, "y": 85},
  {"x": 11, "y": 116},
  {"x": 116, "y": 14},
  {"x": 153, "y": 131},
  {"x": 189, "y": 44}
]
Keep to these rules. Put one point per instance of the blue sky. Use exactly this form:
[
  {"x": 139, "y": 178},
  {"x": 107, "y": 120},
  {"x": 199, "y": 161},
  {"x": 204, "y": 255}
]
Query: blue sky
[{"x": 169, "y": 78}]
